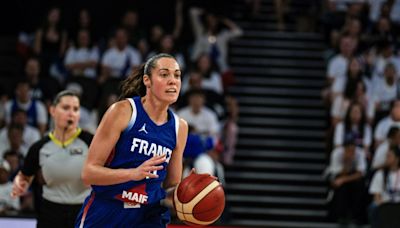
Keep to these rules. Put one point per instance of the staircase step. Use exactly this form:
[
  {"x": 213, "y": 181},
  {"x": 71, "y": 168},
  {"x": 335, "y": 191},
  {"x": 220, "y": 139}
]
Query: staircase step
[
  {"x": 281, "y": 102},
  {"x": 296, "y": 36},
  {"x": 278, "y": 132},
  {"x": 275, "y": 71},
  {"x": 259, "y": 52},
  {"x": 277, "y": 211},
  {"x": 260, "y": 42},
  {"x": 281, "y": 154},
  {"x": 282, "y": 122},
  {"x": 275, "y": 200},
  {"x": 281, "y": 143},
  {"x": 268, "y": 91},
  {"x": 279, "y": 81},
  {"x": 282, "y": 112},
  {"x": 269, "y": 177},
  {"x": 267, "y": 188},
  {"x": 264, "y": 25},
  {"x": 288, "y": 166},
  {"x": 281, "y": 62}
]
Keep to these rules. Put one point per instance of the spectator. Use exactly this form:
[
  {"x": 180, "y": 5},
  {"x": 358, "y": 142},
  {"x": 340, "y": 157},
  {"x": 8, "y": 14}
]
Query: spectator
[
  {"x": 51, "y": 42},
  {"x": 167, "y": 45},
  {"x": 382, "y": 30},
  {"x": 392, "y": 141},
  {"x": 385, "y": 186},
  {"x": 81, "y": 59},
  {"x": 15, "y": 160},
  {"x": 120, "y": 59},
  {"x": 35, "y": 109},
  {"x": 347, "y": 89},
  {"x": 355, "y": 123},
  {"x": 383, "y": 126},
  {"x": 210, "y": 39},
  {"x": 385, "y": 91},
  {"x": 230, "y": 131},
  {"x": 385, "y": 55},
  {"x": 130, "y": 22},
  {"x": 346, "y": 174},
  {"x": 8, "y": 205},
  {"x": 43, "y": 89},
  {"x": 155, "y": 36},
  {"x": 214, "y": 100},
  {"x": 29, "y": 134},
  {"x": 84, "y": 21},
  {"x": 338, "y": 65},
  {"x": 204, "y": 121},
  {"x": 211, "y": 79}
]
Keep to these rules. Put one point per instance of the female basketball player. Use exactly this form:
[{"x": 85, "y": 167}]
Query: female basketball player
[
  {"x": 56, "y": 160},
  {"x": 137, "y": 151}
]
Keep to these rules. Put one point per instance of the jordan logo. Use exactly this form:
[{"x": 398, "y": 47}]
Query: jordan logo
[{"x": 143, "y": 129}]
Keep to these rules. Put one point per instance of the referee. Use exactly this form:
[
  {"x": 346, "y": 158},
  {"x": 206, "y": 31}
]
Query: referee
[{"x": 56, "y": 160}]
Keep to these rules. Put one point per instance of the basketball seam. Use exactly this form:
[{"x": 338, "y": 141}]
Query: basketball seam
[{"x": 203, "y": 211}]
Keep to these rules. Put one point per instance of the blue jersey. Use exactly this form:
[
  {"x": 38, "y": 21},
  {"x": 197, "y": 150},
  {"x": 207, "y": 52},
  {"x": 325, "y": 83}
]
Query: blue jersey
[{"x": 140, "y": 141}]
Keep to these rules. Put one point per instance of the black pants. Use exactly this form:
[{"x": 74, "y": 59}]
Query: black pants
[
  {"x": 57, "y": 215},
  {"x": 347, "y": 202}
]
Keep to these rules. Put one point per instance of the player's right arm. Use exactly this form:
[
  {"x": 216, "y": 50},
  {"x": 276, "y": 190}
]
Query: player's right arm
[{"x": 114, "y": 121}]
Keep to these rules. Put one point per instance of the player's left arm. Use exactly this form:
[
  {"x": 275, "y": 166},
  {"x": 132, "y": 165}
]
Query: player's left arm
[{"x": 174, "y": 169}]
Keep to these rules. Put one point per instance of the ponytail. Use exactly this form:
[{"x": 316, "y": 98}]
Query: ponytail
[{"x": 133, "y": 85}]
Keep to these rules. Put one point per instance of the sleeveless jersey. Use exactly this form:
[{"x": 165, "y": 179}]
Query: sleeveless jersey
[{"x": 134, "y": 203}]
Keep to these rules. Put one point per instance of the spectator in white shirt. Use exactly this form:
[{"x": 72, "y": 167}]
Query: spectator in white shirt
[
  {"x": 82, "y": 58},
  {"x": 203, "y": 120},
  {"x": 29, "y": 135},
  {"x": 385, "y": 185},
  {"x": 210, "y": 39},
  {"x": 383, "y": 126},
  {"x": 35, "y": 109},
  {"x": 393, "y": 140},
  {"x": 211, "y": 79},
  {"x": 346, "y": 174},
  {"x": 120, "y": 59},
  {"x": 338, "y": 65},
  {"x": 385, "y": 91},
  {"x": 355, "y": 123}
]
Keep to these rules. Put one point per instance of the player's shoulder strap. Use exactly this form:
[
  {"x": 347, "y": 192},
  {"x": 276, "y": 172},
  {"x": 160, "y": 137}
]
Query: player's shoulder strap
[
  {"x": 133, "y": 116},
  {"x": 176, "y": 117}
]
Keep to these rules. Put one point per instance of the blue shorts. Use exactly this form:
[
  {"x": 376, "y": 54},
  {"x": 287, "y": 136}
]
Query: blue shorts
[{"x": 98, "y": 212}]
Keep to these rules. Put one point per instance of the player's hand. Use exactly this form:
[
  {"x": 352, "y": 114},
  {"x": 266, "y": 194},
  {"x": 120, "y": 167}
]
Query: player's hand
[
  {"x": 192, "y": 171},
  {"x": 148, "y": 168},
  {"x": 20, "y": 186}
]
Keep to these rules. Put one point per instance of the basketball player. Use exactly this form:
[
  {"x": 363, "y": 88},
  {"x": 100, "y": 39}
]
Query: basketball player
[
  {"x": 56, "y": 160},
  {"x": 137, "y": 151}
]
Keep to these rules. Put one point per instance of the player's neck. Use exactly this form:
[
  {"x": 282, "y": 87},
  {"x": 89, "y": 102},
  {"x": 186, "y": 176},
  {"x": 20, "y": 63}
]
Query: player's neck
[{"x": 156, "y": 110}]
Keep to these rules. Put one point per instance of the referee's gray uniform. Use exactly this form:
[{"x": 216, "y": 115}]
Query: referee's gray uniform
[{"x": 61, "y": 166}]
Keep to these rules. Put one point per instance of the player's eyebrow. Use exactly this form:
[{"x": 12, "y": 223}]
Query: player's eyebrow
[{"x": 168, "y": 69}]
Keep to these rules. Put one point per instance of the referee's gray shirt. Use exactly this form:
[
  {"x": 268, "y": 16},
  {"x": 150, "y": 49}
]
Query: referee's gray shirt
[{"x": 61, "y": 165}]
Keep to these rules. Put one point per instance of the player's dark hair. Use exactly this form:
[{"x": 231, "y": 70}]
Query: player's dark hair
[
  {"x": 133, "y": 85},
  {"x": 62, "y": 94}
]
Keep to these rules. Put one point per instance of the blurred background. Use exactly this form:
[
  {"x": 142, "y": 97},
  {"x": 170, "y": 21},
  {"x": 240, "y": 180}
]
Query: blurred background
[{"x": 299, "y": 98}]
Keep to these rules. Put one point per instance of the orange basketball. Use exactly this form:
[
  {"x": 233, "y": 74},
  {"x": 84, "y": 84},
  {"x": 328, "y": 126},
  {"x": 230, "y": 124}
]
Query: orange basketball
[{"x": 199, "y": 199}]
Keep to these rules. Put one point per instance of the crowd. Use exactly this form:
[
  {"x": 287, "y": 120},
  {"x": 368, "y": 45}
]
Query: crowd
[
  {"x": 362, "y": 98},
  {"x": 92, "y": 63}
]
